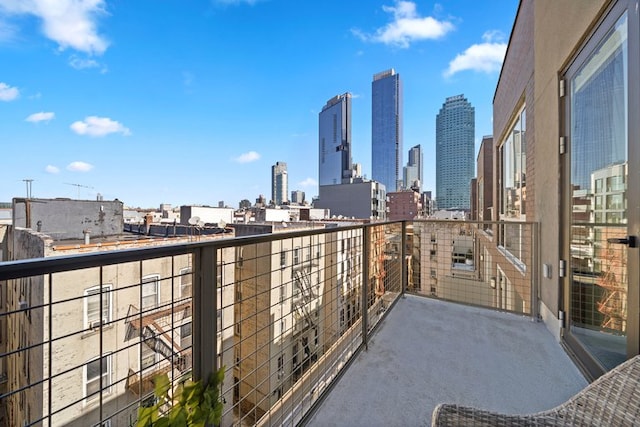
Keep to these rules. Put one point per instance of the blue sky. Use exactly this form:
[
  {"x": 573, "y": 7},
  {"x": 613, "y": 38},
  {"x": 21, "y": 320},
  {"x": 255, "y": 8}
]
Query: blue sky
[{"x": 192, "y": 101}]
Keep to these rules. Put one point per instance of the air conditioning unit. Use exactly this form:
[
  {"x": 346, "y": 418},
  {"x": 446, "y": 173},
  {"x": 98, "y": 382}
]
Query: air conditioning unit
[{"x": 23, "y": 305}]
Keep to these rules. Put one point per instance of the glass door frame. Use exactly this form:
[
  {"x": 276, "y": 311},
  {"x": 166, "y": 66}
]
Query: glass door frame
[{"x": 590, "y": 366}]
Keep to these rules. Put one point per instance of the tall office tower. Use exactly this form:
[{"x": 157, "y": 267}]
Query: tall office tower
[
  {"x": 386, "y": 129},
  {"x": 455, "y": 132},
  {"x": 335, "y": 140},
  {"x": 279, "y": 183},
  {"x": 413, "y": 170}
]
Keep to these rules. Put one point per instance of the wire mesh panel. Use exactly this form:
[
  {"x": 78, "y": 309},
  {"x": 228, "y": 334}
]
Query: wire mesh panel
[
  {"x": 88, "y": 337},
  {"x": 485, "y": 264}
]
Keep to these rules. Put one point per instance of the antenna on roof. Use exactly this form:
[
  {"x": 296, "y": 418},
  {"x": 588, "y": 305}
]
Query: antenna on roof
[{"x": 79, "y": 185}]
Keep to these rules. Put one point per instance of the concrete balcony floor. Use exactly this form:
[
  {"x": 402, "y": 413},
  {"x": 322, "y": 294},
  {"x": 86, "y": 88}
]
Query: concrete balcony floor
[{"x": 428, "y": 351}]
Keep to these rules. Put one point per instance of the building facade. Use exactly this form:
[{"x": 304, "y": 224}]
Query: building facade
[
  {"x": 455, "y": 133},
  {"x": 334, "y": 140},
  {"x": 404, "y": 205},
  {"x": 484, "y": 182},
  {"x": 361, "y": 199},
  {"x": 386, "y": 129},
  {"x": 279, "y": 183},
  {"x": 565, "y": 129}
]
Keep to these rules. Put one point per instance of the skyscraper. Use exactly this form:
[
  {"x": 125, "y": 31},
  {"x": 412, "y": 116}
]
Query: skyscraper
[
  {"x": 335, "y": 140},
  {"x": 386, "y": 128},
  {"x": 413, "y": 170},
  {"x": 455, "y": 132},
  {"x": 279, "y": 183}
]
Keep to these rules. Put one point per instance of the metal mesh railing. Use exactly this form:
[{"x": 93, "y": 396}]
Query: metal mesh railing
[
  {"x": 83, "y": 337},
  {"x": 489, "y": 264}
]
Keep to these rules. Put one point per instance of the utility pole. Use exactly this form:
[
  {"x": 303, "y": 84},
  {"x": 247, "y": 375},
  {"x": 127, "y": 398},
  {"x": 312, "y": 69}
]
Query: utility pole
[{"x": 28, "y": 182}]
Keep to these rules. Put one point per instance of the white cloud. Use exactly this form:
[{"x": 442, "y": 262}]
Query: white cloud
[
  {"x": 52, "y": 169},
  {"x": 248, "y": 157},
  {"x": 40, "y": 117},
  {"x": 309, "y": 182},
  {"x": 79, "y": 167},
  {"x": 99, "y": 126},
  {"x": 407, "y": 26},
  {"x": 8, "y": 93},
  {"x": 484, "y": 57},
  {"x": 82, "y": 63},
  {"x": 70, "y": 23}
]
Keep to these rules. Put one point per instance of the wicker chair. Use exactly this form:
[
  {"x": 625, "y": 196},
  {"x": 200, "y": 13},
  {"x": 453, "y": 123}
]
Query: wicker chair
[{"x": 611, "y": 400}]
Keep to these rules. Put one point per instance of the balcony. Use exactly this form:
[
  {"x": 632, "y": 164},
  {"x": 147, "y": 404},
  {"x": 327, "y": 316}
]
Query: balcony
[{"x": 87, "y": 333}]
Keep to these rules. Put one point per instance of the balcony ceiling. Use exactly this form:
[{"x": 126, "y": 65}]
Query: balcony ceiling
[{"x": 428, "y": 351}]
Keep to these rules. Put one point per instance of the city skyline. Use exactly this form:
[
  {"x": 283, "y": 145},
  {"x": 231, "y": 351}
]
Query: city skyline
[{"x": 165, "y": 103}]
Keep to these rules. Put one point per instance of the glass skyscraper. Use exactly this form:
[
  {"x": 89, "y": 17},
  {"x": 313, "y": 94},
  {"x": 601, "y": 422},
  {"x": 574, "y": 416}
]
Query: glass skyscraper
[
  {"x": 334, "y": 137},
  {"x": 386, "y": 129},
  {"x": 455, "y": 167},
  {"x": 279, "y": 183}
]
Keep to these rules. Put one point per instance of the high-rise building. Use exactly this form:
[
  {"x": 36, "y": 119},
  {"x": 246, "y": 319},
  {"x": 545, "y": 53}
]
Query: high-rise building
[
  {"x": 334, "y": 137},
  {"x": 279, "y": 183},
  {"x": 413, "y": 170},
  {"x": 455, "y": 133},
  {"x": 297, "y": 197},
  {"x": 386, "y": 128}
]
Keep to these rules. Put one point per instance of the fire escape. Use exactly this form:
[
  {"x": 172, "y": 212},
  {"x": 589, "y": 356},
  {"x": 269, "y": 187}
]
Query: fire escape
[
  {"x": 613, "y": 304},
  {"x": 157, "y": 329},
  {"x": 378, "y": 272},
  {"x": 306, "y": 320}
]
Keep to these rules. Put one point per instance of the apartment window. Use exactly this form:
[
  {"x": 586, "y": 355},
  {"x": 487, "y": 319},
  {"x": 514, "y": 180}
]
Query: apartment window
[
  {"x": 185, "y": 282},
  {"x": 296, "y": 256},
  {"x": 97, "y": 306},
  {"x": 150, "y": 291},
  {"x": 185, "y": 334},
  {"x": 148, "y": 355},
  {"x": 219, "y": 316},
  {"x": 514, "y": 166},
  {"x": 280, "y": 366},
  {"x": 97, "y": 374},
  {"x": 283, "y": 259}
]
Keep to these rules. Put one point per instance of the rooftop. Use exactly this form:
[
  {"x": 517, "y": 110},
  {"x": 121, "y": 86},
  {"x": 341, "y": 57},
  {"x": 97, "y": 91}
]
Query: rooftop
[{"x": 429, "y": 351}]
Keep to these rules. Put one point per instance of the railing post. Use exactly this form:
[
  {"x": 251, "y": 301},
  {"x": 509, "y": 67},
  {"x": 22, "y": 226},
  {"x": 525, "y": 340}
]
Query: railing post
[
  {"x": 403, "y": 256},
  {"x": 366, "y": 254},
  {"x": 205, "y": 265},
  {"x": 535, "y": 277}
]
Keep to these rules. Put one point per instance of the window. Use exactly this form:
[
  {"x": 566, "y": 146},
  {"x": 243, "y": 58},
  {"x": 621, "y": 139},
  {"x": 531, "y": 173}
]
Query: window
[
  {"x": 150, "y": 291},
  {"x": 283, "y": 259},
  {"x": 280, "y": 366},
  {"x": 105, "y": 423},
  {"x": 93, "y": 313},
  {"x": 296, "y": 256},
  {"x": 148, "y": 355},
  {"x": 185, "y": 333},
  {"x": 514, "y": 167},
  {"x": 185, "y": 282},
  {"x": 97, "y": 374}
]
